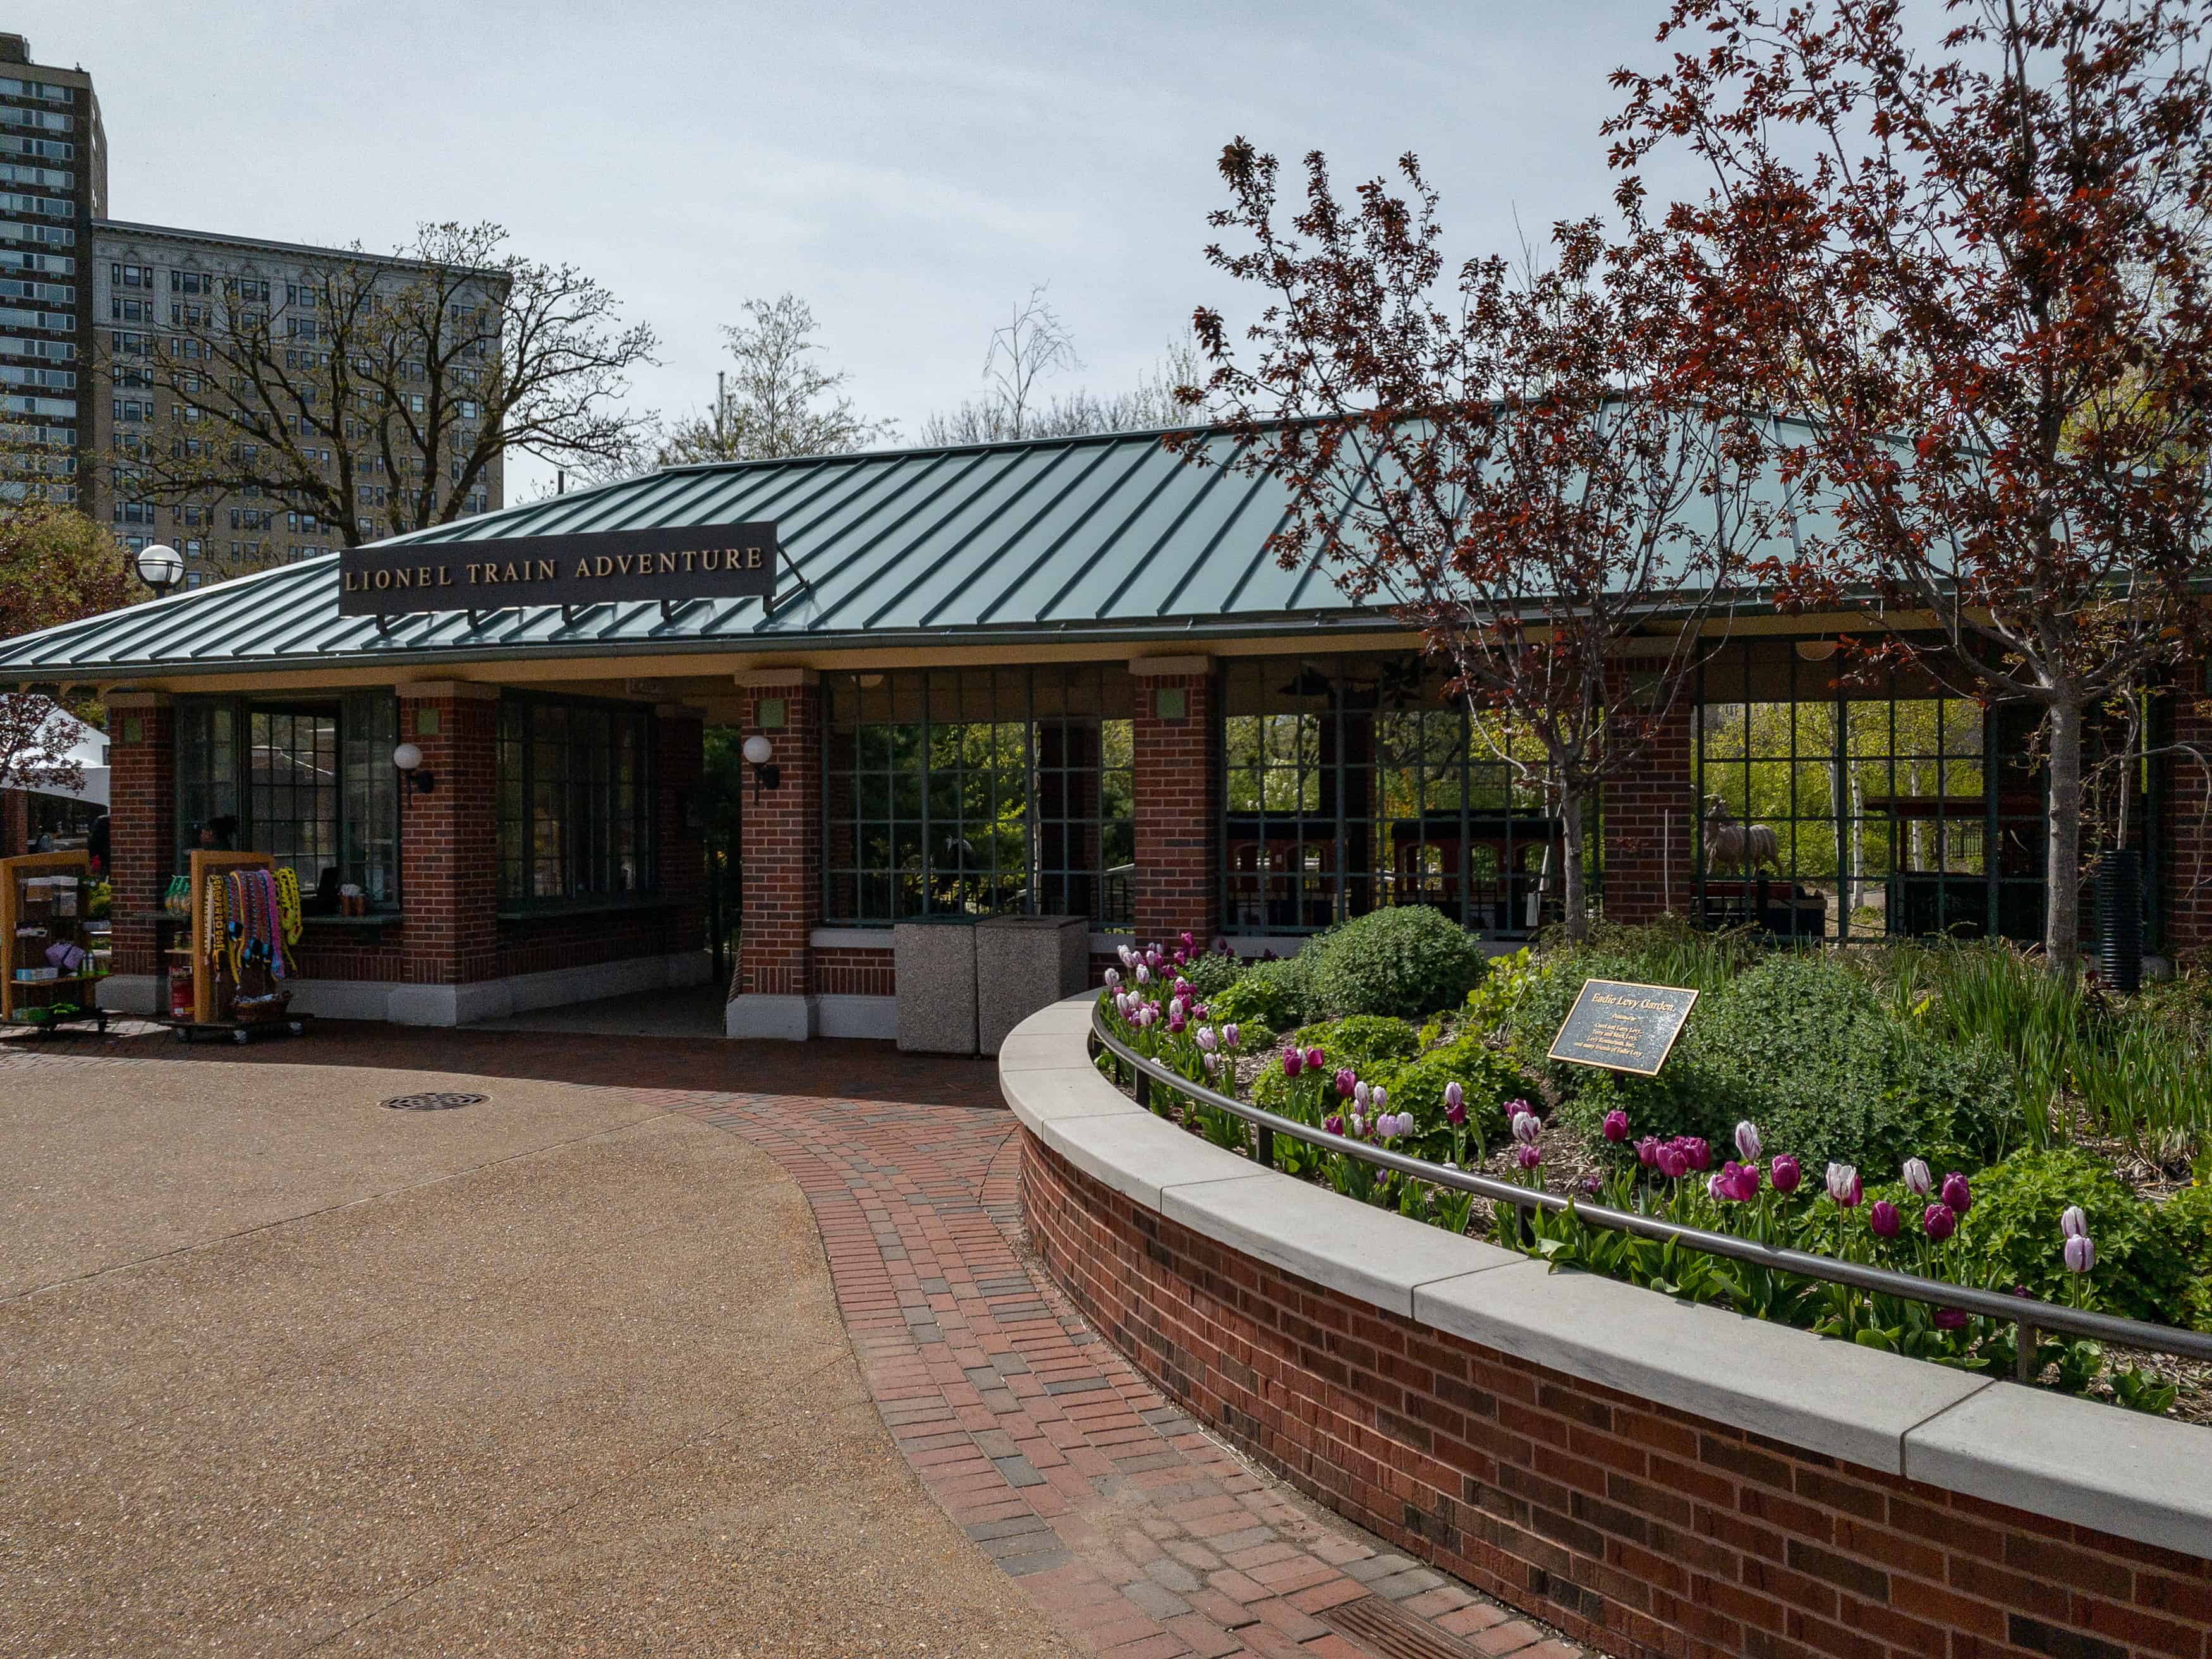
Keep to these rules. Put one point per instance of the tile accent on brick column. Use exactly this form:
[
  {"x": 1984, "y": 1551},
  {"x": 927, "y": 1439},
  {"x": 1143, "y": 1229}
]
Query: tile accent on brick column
[
  {"x": 2187, "y": 877},
  {"x": 780, "y": 837},
  {"x": 1178, "y": 767},
  {"x": 449, "y": 838},
  {"x": 142, "y": 820},
  {"x": 1650, "y": 837}
]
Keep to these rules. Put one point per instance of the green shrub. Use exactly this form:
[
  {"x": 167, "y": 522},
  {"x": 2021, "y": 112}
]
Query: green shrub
[
  {"x": 1212, "y": 972},
  {"x": 1489, "y": 1079},
  {"x": 1407, "y": 960},
  {"x": 1802, "y": 1047},
  {"x": 2183, "y": 1226},
  {"x": 1374, "y": 1047},
  {"x": 1279, "y": 995},
  {"x": 2012, "y": 1238}
]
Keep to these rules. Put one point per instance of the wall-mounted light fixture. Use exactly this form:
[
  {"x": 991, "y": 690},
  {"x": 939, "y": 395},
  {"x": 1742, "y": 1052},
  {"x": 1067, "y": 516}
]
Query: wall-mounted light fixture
[
  {"x": 409, "y": 759},
  {"x": 760, "y": 754},
  {"x": 1815, "y": 650}
]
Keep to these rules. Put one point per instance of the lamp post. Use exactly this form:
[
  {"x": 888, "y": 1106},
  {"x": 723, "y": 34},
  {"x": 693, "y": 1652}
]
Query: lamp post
[{"x": 160, "y": 567}]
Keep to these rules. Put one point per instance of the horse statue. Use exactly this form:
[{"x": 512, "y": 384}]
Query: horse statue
[{"x": 1732, "y": 846}]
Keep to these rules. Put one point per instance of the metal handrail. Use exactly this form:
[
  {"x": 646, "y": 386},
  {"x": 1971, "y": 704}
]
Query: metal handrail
[{"x": 2032, "y": 1314}]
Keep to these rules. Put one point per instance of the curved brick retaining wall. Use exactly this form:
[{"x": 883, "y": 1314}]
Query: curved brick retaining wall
[{"x": 1652, "y": 1477}]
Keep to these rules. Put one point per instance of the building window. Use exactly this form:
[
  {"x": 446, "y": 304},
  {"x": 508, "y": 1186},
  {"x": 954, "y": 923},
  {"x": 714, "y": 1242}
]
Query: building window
[
  {"x": 1351, "y": 784},
  {"x": 308, "y": 781},
  {"x": 575, "y": 802},
  {"x": 1892, "y": 807},
  {"x": 980, "y": 791}
]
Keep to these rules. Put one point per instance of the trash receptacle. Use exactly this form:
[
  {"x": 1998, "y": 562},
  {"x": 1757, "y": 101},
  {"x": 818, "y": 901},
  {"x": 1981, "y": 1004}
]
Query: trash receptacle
[
  {"x": 1024, "y": 964},
  {"x": 934, "y": 959}
]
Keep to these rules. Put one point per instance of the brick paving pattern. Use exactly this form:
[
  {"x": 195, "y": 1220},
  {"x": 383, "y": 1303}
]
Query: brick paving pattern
[{"x": 1142, "y": 1536}]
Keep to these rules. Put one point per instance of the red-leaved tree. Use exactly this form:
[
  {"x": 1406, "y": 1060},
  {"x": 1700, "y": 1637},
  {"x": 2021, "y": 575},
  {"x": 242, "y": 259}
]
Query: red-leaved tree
[
  {"x": 1495, "y": 456},
  {"x": 1977, "y": 265},
  {"x": 56, "y": 565}
]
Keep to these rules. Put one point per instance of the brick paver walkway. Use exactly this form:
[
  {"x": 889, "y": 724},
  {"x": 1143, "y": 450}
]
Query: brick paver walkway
[{"x": 1142, "y": 1535}]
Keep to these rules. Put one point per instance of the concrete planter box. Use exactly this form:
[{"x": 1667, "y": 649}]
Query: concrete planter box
[
  {"x": 935, "y": 962},
  {"x": 1024, "y": 964}
]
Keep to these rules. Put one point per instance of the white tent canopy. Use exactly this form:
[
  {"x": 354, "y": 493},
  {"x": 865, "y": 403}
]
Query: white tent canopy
[{"x": 88, "y": 748}]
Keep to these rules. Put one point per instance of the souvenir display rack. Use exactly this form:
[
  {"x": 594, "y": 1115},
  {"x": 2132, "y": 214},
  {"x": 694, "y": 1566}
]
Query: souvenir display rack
[
  {"x": 45, "y": 932},
  {"x": 220, "y": 972}
]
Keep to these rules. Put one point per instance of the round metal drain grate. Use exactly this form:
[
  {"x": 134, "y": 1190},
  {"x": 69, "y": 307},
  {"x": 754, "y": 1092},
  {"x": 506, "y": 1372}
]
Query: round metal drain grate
[{"x": 434, "y": 1102}]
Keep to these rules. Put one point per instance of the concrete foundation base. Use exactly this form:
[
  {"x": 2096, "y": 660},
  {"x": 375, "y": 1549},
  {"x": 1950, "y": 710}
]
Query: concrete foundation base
[
  {"x": 451, "y": 1004},
  {"x": 779, "y": 1018},
  {"x": 857, "y": 1017}
]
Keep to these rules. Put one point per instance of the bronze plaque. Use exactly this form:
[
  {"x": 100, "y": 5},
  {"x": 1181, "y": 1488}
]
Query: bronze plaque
[{"x": 1623, "y": 1027}]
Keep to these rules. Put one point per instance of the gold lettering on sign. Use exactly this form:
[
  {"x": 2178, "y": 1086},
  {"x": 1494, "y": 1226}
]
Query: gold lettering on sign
[
  {"x": 490, "y": 574},
  {"x": 604, "y": 566},
  {"x": 667, "y": 563},
  {"x": 445, "y": 576},
  {"x": 402, "y": 578},
  {"x": 752, "y": 558}
]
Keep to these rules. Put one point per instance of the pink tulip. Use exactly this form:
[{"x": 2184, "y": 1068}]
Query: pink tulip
[
  {"x": 1616, "y": 1126},
  {"x": 1647, "y": 1151},
  {"x": 1674, "y": 1162},
  {"x": 1957, "y": 1194},
  {"x": 1531, "y": 1156},
  {"x": 1293, "y": 1062},
  {"x": 1939, "y": 1222},
  {"x": 1347, "y": 1081},
  {"x": 1314, "y": 1058},
  {"x": 1785, "y": 1174},
  {"x": 1455, "y": 1104},
  {"x": 1883, "y": 1219},
  {"x": 1188, "y": 941}
]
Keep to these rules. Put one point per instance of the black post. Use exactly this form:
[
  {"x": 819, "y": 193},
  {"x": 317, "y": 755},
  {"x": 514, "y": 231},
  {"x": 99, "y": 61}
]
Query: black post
[{"x": 2120, "y": 920}]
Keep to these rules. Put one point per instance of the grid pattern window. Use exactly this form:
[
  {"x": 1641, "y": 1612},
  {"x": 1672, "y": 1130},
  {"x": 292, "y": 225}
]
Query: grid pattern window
[
  {"x": 1353, "y": 783},
  {"x": 980, "y": 791},
  {"x": 309, "y": 782},
  {"x": 292, "y": 803},
  {"x": 575, "y": 802},
  {"x": 1839, "y": 805}
]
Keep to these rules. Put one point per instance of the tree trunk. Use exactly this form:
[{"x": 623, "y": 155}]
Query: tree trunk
[
  {"x": 1574, "y": 903},
  {"x": 2062, "y": 929}
]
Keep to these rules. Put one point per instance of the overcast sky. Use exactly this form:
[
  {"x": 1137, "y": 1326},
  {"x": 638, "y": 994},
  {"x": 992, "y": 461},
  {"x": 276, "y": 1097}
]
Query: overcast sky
[{"x": 908, "y": 169}]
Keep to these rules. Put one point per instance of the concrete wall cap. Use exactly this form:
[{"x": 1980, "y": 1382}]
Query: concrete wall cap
[
  {"x": 761, "y": 679},
  {"x": 459, "y": 690},
  {"x": 1144, "y": 668},
  {"x": 2096, "y": 1465}
]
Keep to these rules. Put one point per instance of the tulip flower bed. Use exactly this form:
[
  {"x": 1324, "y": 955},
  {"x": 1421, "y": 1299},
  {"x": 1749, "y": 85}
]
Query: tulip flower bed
[{"x": 2039, "y": 1233}]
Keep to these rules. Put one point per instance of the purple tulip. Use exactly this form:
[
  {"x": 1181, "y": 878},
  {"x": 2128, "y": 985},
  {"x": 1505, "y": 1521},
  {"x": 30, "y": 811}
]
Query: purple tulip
[
  {"x": 1360, "y": 1092},
  {"x": 1455, "y": 1104},
  {"x": 1180, "y": 959},
  {"x": 1213, "y": 1064},
  {"x": 1144, "y": 974},
  {"x": 1207, "y": 1040},
  {"x": 1128, "y": 956},
  {"x": 1957, "y": 1194},
  {"x": 1883, "y": 1220},
  {"x": 1380, "y": 1098},
  {"x": 1358, "y": 1126},
  {"x": 1526, "y": 1129},
  {"x": 1785, "y": 1174},
  {"x": 1939, "y": 1222},
  {"x": 1616, "y": 1126},
  {"x": 1334, "y": 1124},
  {"x": 1647, "y": 1151},
  {"x": 1113, "y": 979},
  {"x": 1188, "y": 941},
  {"x": 1592, "y": 1186},
  {"x": 1843, "y": 1185},
  {"x": 1737, "y": 1184},
  {"x": 1746, "y": 1141},
  {"x": 1950, "y": 1319},
  {"x": 2075, "y": 1224},
  {"x": 1918, "y": 1180},
  {"x": 1674, "y": 1162},
  {"x": 1698, "y": 1151},
  {"x": 1531, "y": 1156},
  {"x": 1230, "y": 1034},
  {"x": 2080, "y": 1253},
  {"x": 1347, "y": 1081},
  {"x": 1314, "y": 1057},
  {"x": 1293, "y": 1062}
]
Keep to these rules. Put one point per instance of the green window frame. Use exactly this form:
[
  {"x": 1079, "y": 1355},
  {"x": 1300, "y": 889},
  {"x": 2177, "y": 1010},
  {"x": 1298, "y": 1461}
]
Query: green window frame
[
  {"x": 306, "y": 778},
  {"x": 575, "y": 785}
]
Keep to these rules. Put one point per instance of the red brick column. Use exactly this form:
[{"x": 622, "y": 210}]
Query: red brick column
[
  {"x": 449, "y": 837},
  {"x": 1647, "y": 814},
  {"x": 2187, "y": 900},
  {"x": 142, "y": 853},
  {"x": 14, "y": 821},
  {"x": 781, "y": 845},
  {"x": 1178, "y": 788}
]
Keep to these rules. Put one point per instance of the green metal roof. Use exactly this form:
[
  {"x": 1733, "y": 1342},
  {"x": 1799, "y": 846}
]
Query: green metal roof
[{"x": 1105, "y": 539}]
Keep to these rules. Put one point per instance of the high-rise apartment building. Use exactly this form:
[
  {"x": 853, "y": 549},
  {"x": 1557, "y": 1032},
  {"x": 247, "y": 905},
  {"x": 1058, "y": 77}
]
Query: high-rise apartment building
[
  {"x": 53, "y": 186},
  {"x": 103, "y": 327}
]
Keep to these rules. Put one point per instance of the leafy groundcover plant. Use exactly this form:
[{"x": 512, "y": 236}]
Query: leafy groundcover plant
[{"x": 2062, "y": 1228}]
